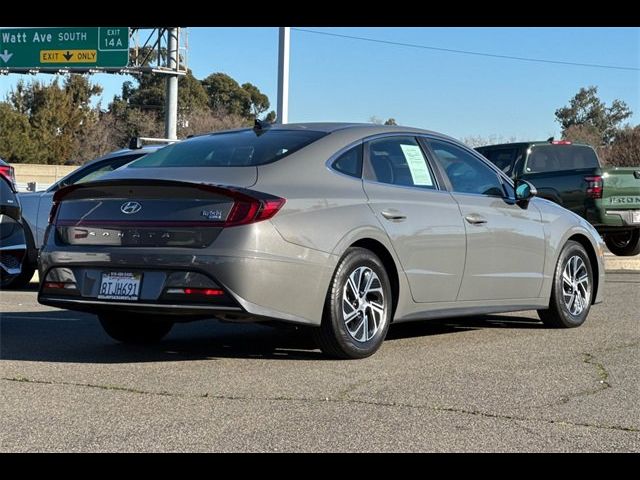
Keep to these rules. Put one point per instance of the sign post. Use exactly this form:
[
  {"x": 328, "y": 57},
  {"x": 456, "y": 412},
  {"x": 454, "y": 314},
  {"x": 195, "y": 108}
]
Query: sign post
[{"x": 64, "y": 48}]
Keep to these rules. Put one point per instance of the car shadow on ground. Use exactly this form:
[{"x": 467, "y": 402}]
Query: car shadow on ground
[
  {"x": 30, "y": 287},
  {"x": 72, "y": 337}
]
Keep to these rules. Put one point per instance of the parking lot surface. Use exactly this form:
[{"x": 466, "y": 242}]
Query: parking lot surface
[{"x": 490, "y": 383}]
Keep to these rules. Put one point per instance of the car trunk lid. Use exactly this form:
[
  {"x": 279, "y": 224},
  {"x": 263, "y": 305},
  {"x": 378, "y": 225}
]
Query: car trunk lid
[{"x": 154, "y": 213}]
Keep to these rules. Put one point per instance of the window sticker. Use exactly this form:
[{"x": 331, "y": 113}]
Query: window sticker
[{"x": 415, "y": 160}]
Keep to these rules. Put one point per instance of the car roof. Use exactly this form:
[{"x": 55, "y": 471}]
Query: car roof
[
  {"x": 530, "y": 144},
  {"x": 355, "y": 129}
]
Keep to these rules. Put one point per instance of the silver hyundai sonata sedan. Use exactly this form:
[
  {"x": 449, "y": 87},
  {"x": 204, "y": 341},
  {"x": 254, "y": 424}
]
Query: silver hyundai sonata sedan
[{"x": 344, "y": 228}]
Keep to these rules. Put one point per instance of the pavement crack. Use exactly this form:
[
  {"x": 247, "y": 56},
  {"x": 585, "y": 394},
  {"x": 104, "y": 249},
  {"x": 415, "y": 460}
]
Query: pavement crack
[
  {"x": 601, "y": 373},
  {"x": 20, "y": 378},
  {"x": 375, "y": 403}
]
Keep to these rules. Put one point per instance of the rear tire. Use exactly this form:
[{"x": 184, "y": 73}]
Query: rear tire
[
  {"x": 357, "y": 310},
  {"x": 572, "y": 291},
  {"x": 134, "y": 329},
  {"x": 624, "y": 244}
]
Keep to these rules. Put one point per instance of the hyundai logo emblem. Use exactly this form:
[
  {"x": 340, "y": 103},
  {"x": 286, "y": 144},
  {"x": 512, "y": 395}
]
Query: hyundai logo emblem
[{"x": 130, "y": 207}]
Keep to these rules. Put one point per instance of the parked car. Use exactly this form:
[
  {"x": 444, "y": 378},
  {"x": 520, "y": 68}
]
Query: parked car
[
  {"x": 37, "y": 205},
  {"x": 571, "y": 175},
  {"x": 12, "y": 240},
  {"x": 340, "y": 227}
]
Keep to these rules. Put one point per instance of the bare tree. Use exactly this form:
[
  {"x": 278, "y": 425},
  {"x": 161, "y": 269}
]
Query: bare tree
[{"x": 474, "y": 141}]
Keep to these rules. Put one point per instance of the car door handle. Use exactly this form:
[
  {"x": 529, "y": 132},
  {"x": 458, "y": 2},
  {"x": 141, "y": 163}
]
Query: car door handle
[
  {"x": 393, "y": 215},
  {"x": 475, "y": 219}
]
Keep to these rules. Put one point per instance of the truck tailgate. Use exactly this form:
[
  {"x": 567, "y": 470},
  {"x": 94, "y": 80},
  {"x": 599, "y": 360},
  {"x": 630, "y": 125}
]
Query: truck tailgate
[{"x": 621, "y": 188}]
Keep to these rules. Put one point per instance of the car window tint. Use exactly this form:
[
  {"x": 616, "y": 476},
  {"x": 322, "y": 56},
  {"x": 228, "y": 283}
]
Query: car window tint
[
  {"x": 94, "y": 172},
  {"x": 400, "y": 161},
  {"x": 350, "y": 162},
  {"x": 553, "y": 158},
  {"x": 503, "y": 158},
  {"x": 241, "y": 148},
  {"x": 466, "y": 173}
]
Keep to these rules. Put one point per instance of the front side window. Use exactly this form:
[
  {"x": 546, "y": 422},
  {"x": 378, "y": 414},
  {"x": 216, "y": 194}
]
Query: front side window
[
  {"x": 350, "y": 162},
  {"x": 466, "y": 173},
  {"x": 399, "y": 161},
  {"x": 243, "y": 148}
]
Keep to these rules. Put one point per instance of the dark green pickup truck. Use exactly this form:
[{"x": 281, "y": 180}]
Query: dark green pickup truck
[{"x": 571, "y": 175}]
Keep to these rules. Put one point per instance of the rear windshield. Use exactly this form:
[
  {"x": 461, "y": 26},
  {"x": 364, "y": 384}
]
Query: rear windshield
[
  {"x": 230, "y": 149},
  {"x": 549, "y": 158}
]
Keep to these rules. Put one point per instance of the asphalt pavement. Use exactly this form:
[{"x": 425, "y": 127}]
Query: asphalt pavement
[{"x": 490, "y": 383}]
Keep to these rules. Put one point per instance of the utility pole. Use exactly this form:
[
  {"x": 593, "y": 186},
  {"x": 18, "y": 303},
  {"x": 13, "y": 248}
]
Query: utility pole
[
  {"x": 283, "y": 75},
  {"x": 171, "y": 105}
]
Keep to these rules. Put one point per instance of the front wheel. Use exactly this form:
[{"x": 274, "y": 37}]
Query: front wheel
[
  {"x": 129, "y": 328},
  {"x": 572, "y": 291},
  {"x": 624, "y": 244},
  {"x": 358, "y": 307}
]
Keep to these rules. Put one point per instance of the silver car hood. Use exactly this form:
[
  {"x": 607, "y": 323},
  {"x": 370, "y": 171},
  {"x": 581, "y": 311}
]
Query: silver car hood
[{"x": 237, "y": 176}]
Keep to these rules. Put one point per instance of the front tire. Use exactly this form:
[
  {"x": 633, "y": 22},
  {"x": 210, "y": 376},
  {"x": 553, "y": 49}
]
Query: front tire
[
  {"x": 572, "y": 291},
  {"x": 357, "y": 310},
  {"x": 624, "y": 244},
  {"x": 134, "y": 329}
]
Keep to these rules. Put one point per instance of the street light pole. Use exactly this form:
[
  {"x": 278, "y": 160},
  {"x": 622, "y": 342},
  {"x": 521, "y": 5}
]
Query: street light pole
[
  {"x": 283, "y": 75},
  {"x": 171, "y": 106}
]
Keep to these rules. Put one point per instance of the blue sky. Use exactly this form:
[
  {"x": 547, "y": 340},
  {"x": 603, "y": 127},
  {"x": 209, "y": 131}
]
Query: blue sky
[{"x": 461, "y": 95}]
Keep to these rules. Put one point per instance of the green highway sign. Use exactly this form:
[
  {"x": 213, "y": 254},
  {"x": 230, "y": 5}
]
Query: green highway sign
[{"x": 68, "y": 48}]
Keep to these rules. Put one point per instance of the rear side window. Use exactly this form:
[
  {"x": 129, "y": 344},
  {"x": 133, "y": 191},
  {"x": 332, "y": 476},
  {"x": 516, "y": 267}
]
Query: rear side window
[
  {"x": 553, "y": 158},
  {"x": 400, "y": 161},
  {"x": 350, "y": 162},
  {"x": 242, "y": 148},
  {"x": 503, "y": 158}
]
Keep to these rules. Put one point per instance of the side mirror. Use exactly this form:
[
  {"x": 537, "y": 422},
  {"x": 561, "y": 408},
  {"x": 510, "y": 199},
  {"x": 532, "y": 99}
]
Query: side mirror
[{"x": 525, "y": 191}]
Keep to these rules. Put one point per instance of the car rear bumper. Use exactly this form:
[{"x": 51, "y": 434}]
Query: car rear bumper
[{"x": 286, "y": 283}]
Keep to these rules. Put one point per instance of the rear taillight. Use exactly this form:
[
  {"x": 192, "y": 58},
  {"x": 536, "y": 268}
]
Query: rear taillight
[
  {"x": 9, "y": 174},
  {"x": 60, "y": 285},
  {"x": 561, "y": 142},
  {"x": 207, "y": 292},
  {"x": 247, "y": 208},
  {"x": 594, "y": 186}
]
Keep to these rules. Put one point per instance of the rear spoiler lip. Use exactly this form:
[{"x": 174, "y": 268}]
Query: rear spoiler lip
[{"x": 218, "y": 188}]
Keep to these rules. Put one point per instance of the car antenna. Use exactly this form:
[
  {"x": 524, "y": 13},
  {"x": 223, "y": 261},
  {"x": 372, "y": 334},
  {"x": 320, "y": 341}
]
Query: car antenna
[
  {"x": 550, "y": 139},
  {"x": 261, "y": 126}
]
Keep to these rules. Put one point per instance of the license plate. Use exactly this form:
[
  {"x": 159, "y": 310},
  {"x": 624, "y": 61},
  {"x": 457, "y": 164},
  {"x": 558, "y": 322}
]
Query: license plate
[
  {"x": 120, "y": 286},
  {"x": 635, "y": 217}
]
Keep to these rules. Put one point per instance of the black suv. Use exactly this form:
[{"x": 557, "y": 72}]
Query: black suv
[{"x": 12, "y": 240}]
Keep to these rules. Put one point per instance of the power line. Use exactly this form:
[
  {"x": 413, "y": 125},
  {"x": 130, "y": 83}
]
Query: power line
[{"x": 467, "y": 52}]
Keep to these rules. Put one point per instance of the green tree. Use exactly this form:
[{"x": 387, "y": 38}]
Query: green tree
[
  {"x": 259, "y": 101},
  {"x": 391, "y": 121},
  {"x": 16, "y": 136},
  {"x": 58, "y": 115},
  {"x": 271, "y": 117},
  {"x": 192, "y": 96},
  {"x": 225, "y": 95},
  {"x": 586, "y": 109}
]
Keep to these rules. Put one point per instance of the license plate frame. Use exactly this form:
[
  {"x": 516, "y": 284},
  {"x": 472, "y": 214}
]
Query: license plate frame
[{"x": 124, "y": 286}]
